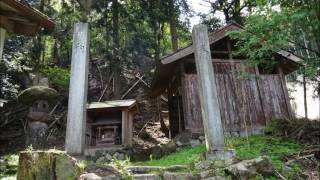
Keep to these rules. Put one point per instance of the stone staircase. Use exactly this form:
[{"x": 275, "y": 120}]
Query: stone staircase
[{"x": 176, "y": 172}]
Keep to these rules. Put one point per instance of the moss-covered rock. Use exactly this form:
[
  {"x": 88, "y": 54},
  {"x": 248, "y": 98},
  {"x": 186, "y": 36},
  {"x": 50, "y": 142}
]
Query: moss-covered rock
[
  {"x": 52, "y": 164},
  {"x": 35, "y": 93}
]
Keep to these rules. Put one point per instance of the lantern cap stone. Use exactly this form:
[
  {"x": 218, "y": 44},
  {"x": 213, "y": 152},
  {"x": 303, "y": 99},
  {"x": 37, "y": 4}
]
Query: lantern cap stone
[{"x": 36, "y": 93}]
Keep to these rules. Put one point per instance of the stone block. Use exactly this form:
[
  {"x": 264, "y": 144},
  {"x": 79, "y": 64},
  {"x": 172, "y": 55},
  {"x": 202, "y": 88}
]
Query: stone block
[
  {"x": 178, "y": 176},
  {"x": 146, "y": 177},
  {"x": 220, "y": 155},
  {"x": 194, "y": 142}
]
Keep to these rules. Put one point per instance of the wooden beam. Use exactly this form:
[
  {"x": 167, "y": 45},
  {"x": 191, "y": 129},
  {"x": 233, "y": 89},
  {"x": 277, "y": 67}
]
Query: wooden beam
[
  {"x": 6, "y": 24},
  {"x": 285, "y": 91},
  {"x": 130, "y": 129},
  {"x": 213, "y": 37},
  {"x": 2, "y": 38},
  {"x": 124, "y": 125},
  {"x": 134, "y": 85},
  {"x": 14, "y": 16}
]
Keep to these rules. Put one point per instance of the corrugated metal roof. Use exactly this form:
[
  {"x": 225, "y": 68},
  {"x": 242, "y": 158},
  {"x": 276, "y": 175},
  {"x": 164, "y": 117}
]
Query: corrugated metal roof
[{"x": 129, "y": 103}]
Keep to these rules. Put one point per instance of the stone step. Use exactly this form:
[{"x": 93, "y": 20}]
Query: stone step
[
  {"x": 149, "y": 169},
  {"x": 146, "y": 177},
  {"x": 165, "y": 176}
]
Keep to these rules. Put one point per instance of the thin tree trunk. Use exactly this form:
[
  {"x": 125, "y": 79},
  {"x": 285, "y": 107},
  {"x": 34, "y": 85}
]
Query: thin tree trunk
[
  {"x": 115, "y": 50},
  {"x": 305, "y": 95},
  {"x": 173, "y": 26}
]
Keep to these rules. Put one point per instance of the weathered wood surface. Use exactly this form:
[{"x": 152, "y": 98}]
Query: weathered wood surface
[
  {"x": 245, "y": 103},
  {"x": 191, "y": 104},
  {"x": 175, "y": 112},
  {"x": 212, "y": 123},
  {"x": 273, "y": 97}
]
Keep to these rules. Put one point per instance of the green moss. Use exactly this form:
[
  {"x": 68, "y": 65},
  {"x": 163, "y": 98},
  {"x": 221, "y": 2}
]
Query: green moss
[
  {"x": 46, "y": 164},
  {"x": 35, "y": 93}
]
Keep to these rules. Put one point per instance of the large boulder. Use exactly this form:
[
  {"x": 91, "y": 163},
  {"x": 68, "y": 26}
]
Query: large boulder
[
  {"x": 52, "y": 164},
  {"x": 249, "y": 169}
]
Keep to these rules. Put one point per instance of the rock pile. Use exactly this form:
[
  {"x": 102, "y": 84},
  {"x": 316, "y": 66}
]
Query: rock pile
[
  {"x": 109, "y": 155},
  {"x": 188, "y": 140}
]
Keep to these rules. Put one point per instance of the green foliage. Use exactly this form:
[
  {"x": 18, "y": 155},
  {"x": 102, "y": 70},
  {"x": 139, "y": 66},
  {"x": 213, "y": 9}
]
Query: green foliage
[
  {"x": 59, "y": 77},
  {"x": 283, "y": 25},
  {"x": 9, "y": 167}
]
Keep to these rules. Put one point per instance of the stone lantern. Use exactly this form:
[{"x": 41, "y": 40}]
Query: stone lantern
[{"x": 40, "y": 99}]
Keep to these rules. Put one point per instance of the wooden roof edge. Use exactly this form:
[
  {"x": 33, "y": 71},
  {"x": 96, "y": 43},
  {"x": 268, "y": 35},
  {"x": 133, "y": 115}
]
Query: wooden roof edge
[
  {"x": 213, "y": 37},
  {"x": 33, "y": 13},
  {"x": 130, "y": 106},
  {"x": 290, "y": 56}
]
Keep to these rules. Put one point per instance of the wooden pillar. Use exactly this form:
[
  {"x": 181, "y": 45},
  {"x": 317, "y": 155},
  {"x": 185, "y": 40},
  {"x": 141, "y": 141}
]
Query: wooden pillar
[
  {"x": 2, "y": 38},
  {"x": 124, "y": 125},
  {"x": 285, "y": 92},
  {"x": 77, "y": 110},
  {"x": 130, "y": 127},
  {"x": 208, "y": 92}
]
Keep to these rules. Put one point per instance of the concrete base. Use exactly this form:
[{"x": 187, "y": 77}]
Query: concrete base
[{"x": 220, "y": 155}]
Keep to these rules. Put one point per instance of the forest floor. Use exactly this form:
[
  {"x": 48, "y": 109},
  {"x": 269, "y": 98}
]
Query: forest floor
[{"x": 290, "y": 159}]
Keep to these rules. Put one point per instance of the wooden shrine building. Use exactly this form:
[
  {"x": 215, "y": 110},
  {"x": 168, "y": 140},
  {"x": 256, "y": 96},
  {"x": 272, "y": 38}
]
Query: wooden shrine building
[
  {"x": 110, "y": 123},
  {"x": 248, "y": 96}
]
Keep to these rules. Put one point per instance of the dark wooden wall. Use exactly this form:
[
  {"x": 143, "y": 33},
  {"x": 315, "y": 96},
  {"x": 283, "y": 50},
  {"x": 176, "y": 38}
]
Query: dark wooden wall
[
  {"x": 176, "y": 116},
  {"x": 246, "y": 100}
]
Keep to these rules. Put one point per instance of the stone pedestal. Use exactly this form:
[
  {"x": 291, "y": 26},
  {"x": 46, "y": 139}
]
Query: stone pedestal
[
  {"x": 220, "y": 155},
  {"x": 36, "y": 134}
]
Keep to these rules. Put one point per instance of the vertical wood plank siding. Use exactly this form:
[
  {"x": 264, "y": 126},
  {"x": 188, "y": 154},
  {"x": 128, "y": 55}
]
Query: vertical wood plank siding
[{"x": 245, "y": 102}]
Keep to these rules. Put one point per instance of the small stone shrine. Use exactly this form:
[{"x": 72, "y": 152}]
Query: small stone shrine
[{"x": 109, "y": 125}]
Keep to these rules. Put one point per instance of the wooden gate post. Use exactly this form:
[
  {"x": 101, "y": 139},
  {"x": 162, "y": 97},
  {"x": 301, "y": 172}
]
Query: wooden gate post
[
  {"x": 77, "y": 110},
  {"x": 208, "y": 95},
  {"x": 208, "y": 91}
]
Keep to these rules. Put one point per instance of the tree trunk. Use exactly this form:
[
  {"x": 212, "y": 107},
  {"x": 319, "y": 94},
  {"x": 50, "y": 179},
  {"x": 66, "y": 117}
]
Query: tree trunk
[
  {"x": 305, "y": 95},
  {"x": 115, "y": 50},
  {"x": 173, "y": 26}
]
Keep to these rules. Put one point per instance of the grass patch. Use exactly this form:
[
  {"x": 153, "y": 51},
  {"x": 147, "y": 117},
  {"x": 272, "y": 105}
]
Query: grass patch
[
  {"x": 182, "y": 157},
  {"x": 274, "y": 147}
]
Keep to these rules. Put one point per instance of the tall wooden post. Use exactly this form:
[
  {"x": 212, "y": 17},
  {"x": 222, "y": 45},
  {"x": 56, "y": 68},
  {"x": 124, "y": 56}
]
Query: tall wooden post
[
  {"x": 208, "y": 91},
  {"x": 75, "y": 137},
  {"x": 2, "y": 38}
]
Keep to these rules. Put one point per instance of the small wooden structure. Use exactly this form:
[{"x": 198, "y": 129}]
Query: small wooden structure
[
  {"x": 110, "y": 123},
  {"x": 18, "y": 17},
  {"x": 246, "y": 103}
]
